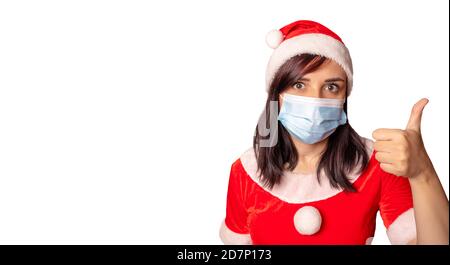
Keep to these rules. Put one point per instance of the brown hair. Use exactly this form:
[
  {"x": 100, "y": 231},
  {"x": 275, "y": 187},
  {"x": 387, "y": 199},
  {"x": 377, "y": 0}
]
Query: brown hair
[{"x": 344, "y": 150}]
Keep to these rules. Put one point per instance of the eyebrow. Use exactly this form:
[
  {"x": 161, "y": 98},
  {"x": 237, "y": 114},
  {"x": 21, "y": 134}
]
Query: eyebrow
[{"x": 328, "y": 80}]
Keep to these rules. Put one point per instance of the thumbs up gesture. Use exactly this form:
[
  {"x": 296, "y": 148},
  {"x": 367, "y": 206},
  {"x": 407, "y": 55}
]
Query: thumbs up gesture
[{"x": 402, "y": 152}]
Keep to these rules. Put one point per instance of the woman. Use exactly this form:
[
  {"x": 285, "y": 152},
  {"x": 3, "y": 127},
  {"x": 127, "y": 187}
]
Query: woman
[{"x": 310, "y": 178}]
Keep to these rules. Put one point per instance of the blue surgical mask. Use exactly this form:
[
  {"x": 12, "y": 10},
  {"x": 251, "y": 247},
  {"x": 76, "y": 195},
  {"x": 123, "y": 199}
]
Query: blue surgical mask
[{"x": 311, "y": 119}]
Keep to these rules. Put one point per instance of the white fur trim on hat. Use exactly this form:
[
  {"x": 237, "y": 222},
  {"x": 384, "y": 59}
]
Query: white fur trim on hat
[{"x": 314, "y": 43}]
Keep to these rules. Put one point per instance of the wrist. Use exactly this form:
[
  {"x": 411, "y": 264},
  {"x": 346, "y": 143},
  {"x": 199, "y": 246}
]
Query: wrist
[{"x": 427, "y": 175}]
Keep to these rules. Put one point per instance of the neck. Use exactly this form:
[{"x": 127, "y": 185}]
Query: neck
[{"x": 308, "y": 155}]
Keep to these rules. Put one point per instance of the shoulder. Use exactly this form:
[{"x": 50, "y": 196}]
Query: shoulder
[
  {"x": 245, "y": 165},
  {"x": 248, "y": 161}
]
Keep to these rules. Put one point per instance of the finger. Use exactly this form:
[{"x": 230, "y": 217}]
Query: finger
[
  {"x": 415, "y": 118},
  {"x": 384, "y": 157},
  {"x": 389, "y": 168},
  {"x": 383, "y": 134},
  {"x": 383, "y": 146}
]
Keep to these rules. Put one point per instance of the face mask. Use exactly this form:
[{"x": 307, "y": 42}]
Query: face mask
[{"x": 311, "y": 119}]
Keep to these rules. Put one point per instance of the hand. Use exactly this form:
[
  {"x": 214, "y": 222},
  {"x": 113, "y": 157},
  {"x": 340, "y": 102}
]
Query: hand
[{"x": 402, "y": 152}]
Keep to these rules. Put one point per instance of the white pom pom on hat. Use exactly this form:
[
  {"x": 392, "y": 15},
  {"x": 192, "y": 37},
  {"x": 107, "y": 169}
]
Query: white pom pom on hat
[
  {"x": 306, "y": 36},
  {"x": 274, "y": 38}
]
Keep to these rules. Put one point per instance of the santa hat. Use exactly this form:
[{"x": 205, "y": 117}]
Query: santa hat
[{"x": 306, "y": 36}]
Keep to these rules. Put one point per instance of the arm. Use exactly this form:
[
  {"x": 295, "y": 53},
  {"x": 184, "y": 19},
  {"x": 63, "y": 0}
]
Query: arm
[
  {"x": 234, "y": 228},
  {"x": 430, "y": 208},
  {"x": 230, "y": 237},
  {"x": 402, "y": 153}
]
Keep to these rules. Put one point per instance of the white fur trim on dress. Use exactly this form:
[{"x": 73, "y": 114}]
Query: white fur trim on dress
[
  {"x": 369, "y": 240},
  {"x": 229, "y": 237},
  {"x": 403, "y": 229},
  {"x": 295, "y": 187},
  {"x": 314, "y": 43}
]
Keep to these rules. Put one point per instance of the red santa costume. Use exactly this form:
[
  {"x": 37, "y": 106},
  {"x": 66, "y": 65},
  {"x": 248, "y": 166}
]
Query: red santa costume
[{"x": 299, "y": 210}]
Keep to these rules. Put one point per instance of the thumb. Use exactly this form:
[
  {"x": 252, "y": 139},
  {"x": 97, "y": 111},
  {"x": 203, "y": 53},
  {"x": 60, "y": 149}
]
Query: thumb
[{"x": 416, "y": 115}]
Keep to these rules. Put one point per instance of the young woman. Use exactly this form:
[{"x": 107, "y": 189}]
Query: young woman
[{"x": 310, "y": 178}]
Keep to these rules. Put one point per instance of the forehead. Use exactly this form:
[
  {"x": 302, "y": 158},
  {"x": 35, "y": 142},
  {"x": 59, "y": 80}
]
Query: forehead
[{"x": 328, "y": 68}]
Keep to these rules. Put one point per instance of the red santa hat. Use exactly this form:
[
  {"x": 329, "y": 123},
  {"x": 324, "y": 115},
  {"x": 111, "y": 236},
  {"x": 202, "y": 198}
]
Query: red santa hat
[{"x": 306, "y": 36}]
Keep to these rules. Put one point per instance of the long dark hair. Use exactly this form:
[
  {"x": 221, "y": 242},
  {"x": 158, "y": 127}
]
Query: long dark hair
[{"x": 344, "y": 150}]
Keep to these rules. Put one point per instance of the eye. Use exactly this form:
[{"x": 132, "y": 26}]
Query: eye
[
  {"x": 333, "y": 87},
  {"x": 299, "y": 85}
]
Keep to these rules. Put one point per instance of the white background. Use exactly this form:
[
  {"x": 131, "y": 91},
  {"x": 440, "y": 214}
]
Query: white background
[{"x": 119, "y": 120}]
